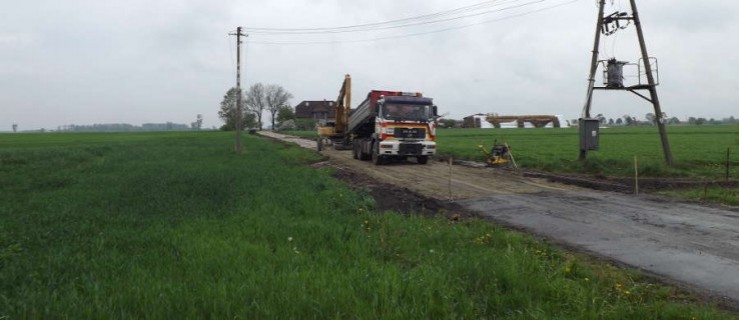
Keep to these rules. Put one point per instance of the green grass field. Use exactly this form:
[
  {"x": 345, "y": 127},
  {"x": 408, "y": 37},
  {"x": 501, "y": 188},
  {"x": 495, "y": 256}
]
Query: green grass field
[
  {"x": 174, "y": 225},
  {"x": 698, "y": 151}
]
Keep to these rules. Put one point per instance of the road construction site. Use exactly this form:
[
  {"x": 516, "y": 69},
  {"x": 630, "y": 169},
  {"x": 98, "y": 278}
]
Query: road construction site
[{"x": 690, "y": 245}]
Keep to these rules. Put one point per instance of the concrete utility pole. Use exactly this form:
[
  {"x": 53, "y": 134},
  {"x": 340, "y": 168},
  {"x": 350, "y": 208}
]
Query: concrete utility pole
[
  {"x": 609, "y": 25},
  {"x": 238, "y": 34},
  {"x": 593, "y": 63},
  {"x": 652, "y": 85},
  {"x": 591, "y": 78}
]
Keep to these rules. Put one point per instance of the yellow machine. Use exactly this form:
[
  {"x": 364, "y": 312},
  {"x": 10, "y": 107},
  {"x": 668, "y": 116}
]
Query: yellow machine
[
  {"x": 499, "y": 155},
  {"x": 336, "y": 131}
]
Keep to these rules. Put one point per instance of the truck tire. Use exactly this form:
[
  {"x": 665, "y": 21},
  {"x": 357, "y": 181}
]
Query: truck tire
[
  {"x": 422, "y": 159},
  {"x": 319, "y": 144},
  {"x": 377, "y": 159},
  {"x": 364, "y": 156}
]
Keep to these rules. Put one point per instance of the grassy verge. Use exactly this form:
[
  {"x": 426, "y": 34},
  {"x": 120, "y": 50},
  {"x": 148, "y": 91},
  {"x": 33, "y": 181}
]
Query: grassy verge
[
  {"x": 176, "y": 226},
  {"x": 728, "y": 196}
]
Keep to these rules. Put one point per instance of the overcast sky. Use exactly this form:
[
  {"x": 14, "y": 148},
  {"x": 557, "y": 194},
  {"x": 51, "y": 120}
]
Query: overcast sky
[{"x": 135, "y": 61}]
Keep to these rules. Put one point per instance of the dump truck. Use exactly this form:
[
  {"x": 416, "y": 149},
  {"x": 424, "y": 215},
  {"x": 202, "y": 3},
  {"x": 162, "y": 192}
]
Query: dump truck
[{"x": 387, "y": 125}]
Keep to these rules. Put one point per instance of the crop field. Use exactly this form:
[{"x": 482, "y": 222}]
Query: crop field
[
  {"x": 175, "y": 225},
  {"x": 698, "y": 151}
]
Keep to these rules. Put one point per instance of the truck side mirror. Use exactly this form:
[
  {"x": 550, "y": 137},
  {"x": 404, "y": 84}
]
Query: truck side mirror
[{"x": 435, "y": 110}]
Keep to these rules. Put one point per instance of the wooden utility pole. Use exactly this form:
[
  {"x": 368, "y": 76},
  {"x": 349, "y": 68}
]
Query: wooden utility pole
[{"x": 237, "y": 144}]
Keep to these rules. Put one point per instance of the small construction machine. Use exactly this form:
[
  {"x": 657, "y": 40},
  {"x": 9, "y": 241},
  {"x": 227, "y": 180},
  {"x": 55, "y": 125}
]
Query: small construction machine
[{"x": 499, "y": 155}]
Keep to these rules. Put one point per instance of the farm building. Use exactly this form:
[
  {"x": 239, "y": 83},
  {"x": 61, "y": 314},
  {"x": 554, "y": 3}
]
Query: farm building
[{"x": 321, "y": 110}]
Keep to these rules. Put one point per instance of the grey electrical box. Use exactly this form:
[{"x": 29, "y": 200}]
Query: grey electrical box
[{"x": 589, "y": 133}]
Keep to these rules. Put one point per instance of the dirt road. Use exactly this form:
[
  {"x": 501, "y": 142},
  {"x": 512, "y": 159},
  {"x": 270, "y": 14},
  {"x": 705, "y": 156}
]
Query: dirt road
[{"x": 685, "y": 243}]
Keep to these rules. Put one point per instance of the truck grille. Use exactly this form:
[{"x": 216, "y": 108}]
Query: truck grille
[
  {"x": 410, "y": 148},
  {"x": 414, "y": 133}
]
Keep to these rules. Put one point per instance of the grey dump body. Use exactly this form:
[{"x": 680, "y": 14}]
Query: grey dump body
[{"x": 364, "y": 114}]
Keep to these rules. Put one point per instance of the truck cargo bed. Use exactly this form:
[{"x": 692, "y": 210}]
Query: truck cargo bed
[{"x": 363, "y": 114}]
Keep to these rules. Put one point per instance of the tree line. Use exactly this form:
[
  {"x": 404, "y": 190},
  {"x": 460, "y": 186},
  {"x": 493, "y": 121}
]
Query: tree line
[
  {"x": 124, "y": 127},
  {"x": 652, "y": 119},
  {"x": 255, "y": 102}
]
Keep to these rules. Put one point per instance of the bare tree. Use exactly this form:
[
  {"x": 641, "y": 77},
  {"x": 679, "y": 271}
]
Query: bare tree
[
  {"x": 276, "y": 97},
  {"x": 255, "y": 101}
]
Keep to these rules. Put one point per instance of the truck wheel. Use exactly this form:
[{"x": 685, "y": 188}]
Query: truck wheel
[
  {"x": 364, "y": 156},
  {"x": 422, "y": 159},
  {"x": 319, "y": 144},
  {"x": 377, "y": 159}
]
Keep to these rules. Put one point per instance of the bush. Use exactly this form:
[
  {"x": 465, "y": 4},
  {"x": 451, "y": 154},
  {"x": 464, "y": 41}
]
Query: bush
[
  {"x": 305, "y": 124},
  {"x": 287, "y": 125}
]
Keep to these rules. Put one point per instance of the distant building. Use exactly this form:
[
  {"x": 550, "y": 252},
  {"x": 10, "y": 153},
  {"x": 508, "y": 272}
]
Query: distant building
[
  {"x": 321, "y": 111},
  {"x": 486, "y": 121},
  {"x": 476, "y": 121}
]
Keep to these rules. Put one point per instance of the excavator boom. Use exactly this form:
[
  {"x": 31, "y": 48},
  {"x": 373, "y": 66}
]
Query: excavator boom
[{"x": 343, "y": 105}]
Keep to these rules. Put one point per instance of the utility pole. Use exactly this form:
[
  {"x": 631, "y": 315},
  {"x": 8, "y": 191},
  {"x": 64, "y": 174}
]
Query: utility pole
[
  {"x": 608, "y": 25},
  {"x": 652, "y": 86},
  {"x": 593, "y": 62},
  {"x": 238, "y": 34},
  {"x": 591, "y": 78}
]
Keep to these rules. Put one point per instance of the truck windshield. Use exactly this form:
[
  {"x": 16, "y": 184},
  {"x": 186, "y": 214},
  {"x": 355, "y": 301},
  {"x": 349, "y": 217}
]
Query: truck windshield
[{"x": 410, "y": 112}]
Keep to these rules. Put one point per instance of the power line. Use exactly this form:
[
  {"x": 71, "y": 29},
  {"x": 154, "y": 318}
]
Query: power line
[
  {"x": 231, "y": 50},
  {"x": 414, "y": 34},
  {"x": 422, "y": 19}
]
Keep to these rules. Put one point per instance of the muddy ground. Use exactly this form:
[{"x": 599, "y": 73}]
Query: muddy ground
[{"x": 693, "y": 246}]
